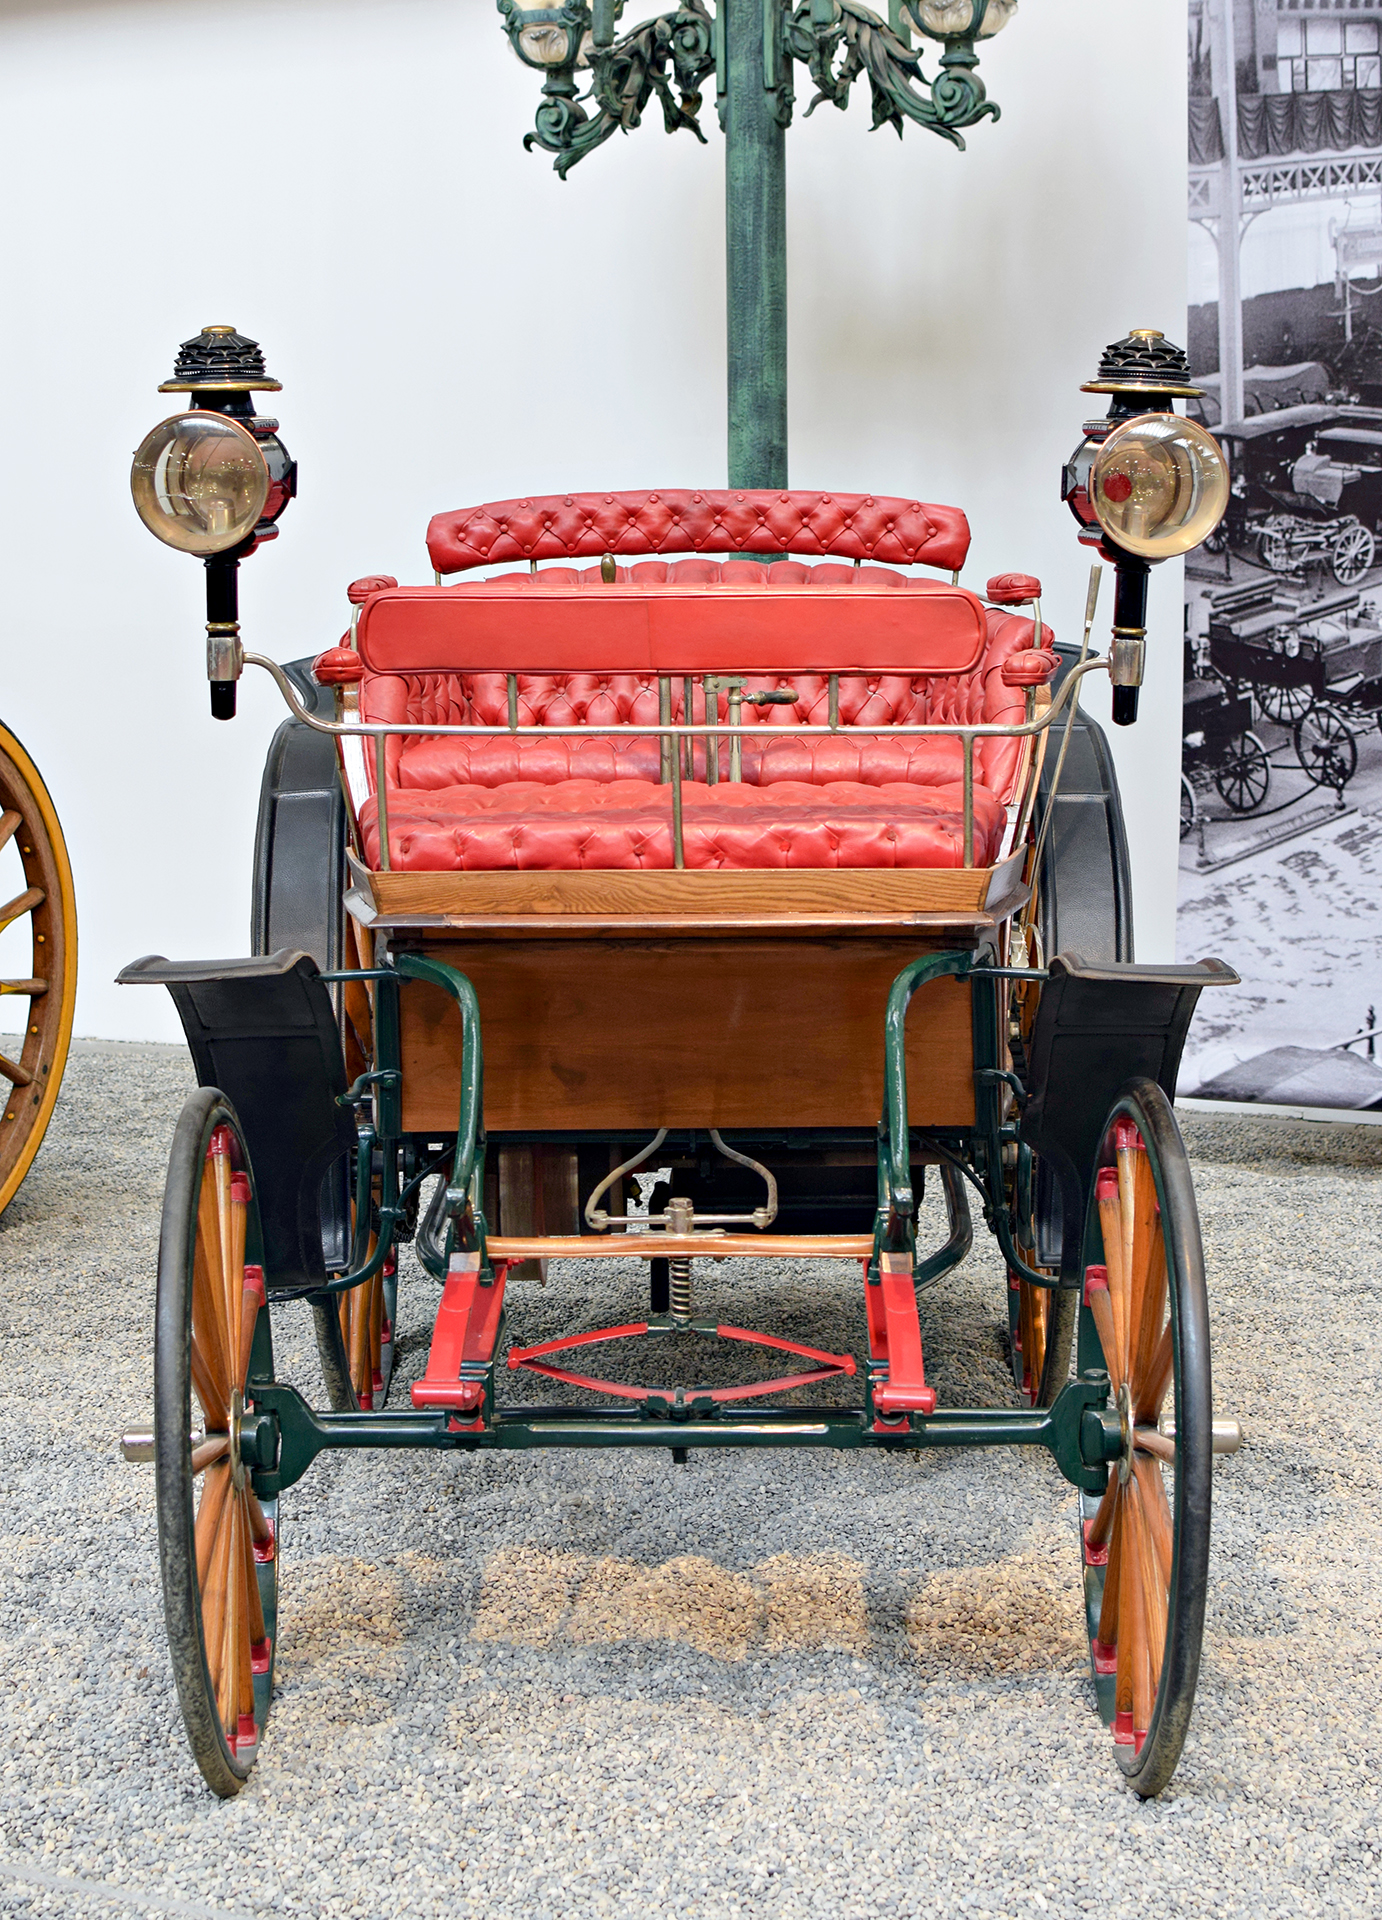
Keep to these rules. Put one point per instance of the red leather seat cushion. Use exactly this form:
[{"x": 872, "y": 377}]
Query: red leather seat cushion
[{"x": 570, "y": 825}]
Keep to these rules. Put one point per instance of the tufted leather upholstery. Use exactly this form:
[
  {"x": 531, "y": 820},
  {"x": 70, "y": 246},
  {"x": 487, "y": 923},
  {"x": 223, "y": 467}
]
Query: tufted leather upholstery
[
  {"x": 1031, "y": 669},
  {"x": 852, "y": 526},
  {"x": 596, "y": 699},
  {"x": 568, "y": 803},
  {"x": 1013, "y": 589},
  {"x": 579, "y": 824}
]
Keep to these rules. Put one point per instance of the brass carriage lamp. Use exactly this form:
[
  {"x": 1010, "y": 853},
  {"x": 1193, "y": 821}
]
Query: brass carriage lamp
[
  {"x": 1144, "y": 484},
  {"x": 213, "y": 482}
]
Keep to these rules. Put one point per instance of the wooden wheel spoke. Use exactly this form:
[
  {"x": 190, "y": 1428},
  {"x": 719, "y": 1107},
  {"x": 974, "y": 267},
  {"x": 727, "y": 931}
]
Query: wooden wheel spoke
[
  {"x": 1126, "y": 1630},
  {"x": 33, "y": 989},
  {"x": 1139, "y": 1233},
  {"x": 21, "y": 904},
  {"x": 16, "y": 1074},
  {"x": 255, "y": 1607},
  {"x": 242, "y": 1578},
  {"x": 1151, "y": 1597},
  {"x": 210, "y": 1363},
  {"x": 1100, "y": 1527},
  {"x": 1152, "y": 1440},
  {"x": 232, "y": 1625},
  {"x": 210, "y": 1515},
  {"x": 1158, "y": 1513},
  {"x": 210, "y": 1451},
  {"x": 1147, "y": 1404},
  {"x": 1111, "y": 1226},
  {"x": 251, "y": 1300},
  {"x": 259, "y": 1520},
  {"x": 10, "y": 823},
  {"x": 215, "y": 1591},
  {"x": 1110, "y": 1612},
  {"x": 1151, "y": 1320}
]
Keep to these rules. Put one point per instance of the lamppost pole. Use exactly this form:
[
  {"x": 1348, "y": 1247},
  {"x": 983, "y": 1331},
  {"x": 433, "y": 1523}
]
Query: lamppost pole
[
  {"x": 752, "y": 48},
  {"x": 755, "y": 247}
]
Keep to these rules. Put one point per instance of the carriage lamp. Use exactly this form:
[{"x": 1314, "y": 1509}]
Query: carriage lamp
[
  {"x": 213, "y": 480},
  {"x": 1144, "y": 484}
]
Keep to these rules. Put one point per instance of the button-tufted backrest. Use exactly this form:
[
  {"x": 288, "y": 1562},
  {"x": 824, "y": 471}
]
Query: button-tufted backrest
[{"x": 575, "y": 526}]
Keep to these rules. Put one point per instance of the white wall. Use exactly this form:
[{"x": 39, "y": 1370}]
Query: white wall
[{"x": 345, "y": 180}]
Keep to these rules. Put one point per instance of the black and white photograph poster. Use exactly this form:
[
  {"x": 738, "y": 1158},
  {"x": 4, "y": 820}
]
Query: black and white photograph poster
[{"x": 1281, "y": 774}]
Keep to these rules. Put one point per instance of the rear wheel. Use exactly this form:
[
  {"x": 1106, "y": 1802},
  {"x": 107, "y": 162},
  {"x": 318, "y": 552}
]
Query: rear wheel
[
  {"x": 1352, "y": 554},
  {"x": 218, "y": 1543},
  {"x": 1188, "y": 808},
  {"x": 1146, "y": 1541},
  {"x": 1326, "y": 748},
  {"x": 38, "y": 975}
]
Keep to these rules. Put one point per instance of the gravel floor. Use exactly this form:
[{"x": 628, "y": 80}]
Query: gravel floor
[{"x": 586, "y": 1684}]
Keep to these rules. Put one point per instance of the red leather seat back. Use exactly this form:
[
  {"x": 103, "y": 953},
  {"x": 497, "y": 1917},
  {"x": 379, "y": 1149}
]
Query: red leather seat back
[
  {"x": 746, "y": 623},
  {"x": 574, "y": 526}
]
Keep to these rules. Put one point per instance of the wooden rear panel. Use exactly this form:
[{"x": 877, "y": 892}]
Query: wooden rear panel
[{"x": 684, "y": 1033}]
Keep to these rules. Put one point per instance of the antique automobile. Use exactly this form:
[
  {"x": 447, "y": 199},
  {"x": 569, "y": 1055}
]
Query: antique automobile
[
  {"x": 1306, "y": 488},
  {"x": 38, "y": 960},
  {"x": 724, "y": 835},
  {"x": 1313, "y": 666}
]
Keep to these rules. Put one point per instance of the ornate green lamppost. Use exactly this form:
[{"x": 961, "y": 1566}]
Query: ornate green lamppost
[{"x": 599, "y": 82}]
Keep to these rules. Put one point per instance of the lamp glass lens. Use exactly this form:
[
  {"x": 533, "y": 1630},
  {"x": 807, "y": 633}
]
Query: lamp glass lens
[
  {"x": 200, "y": 483},
  {"x": 1159, "y": 485},
  {"x": 954, "y": 19}
]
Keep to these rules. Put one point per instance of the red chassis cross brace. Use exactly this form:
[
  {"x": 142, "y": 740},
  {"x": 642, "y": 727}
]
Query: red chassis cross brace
[
  {"x": 897, "y": 1371},
  {"x": 829, "y": 1366},
  {"x": 463, "y": 1339}
]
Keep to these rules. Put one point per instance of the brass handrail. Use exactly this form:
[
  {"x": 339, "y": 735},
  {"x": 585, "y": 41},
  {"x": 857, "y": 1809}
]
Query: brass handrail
[{"x": 681, "y": 732}]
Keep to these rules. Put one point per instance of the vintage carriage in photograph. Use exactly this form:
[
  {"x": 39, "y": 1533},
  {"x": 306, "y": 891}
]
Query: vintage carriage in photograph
[
  {"x": 1219, "y": 749},
  {"x": 1313, "y": 667},
  {"x": 1306, "y": 489},
  {"x": 726, "y": 836}
]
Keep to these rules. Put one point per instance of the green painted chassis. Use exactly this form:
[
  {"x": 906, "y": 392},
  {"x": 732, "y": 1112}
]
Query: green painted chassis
[{"x": 282, "y": 1434}]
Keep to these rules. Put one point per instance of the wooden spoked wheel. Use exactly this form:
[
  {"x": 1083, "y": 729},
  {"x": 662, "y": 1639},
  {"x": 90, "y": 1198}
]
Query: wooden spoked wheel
[
  {"x": 1146, "y": 1541},
  {"x": 217, "y": 1543},
  {"x": 35, "y": 893}
]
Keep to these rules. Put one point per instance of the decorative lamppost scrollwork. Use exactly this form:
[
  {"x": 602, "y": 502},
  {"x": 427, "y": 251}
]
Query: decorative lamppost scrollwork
[
  {"x": 752, "y": 48},
  {"x": 667, "y": 57}
]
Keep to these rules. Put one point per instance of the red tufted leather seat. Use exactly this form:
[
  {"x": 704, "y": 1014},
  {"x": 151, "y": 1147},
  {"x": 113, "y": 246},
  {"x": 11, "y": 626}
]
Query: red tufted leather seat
[{"x": 569, "y": 803}]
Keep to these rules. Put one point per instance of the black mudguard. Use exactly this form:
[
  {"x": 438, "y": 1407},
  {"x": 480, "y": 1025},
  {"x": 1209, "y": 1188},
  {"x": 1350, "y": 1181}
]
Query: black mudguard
[
  {"x": 1086, "y": 885},
  {"x": 300, "y": 840},
  {"x": 264, "y": 1032},
  {"x": 1098, "y": 1026}
]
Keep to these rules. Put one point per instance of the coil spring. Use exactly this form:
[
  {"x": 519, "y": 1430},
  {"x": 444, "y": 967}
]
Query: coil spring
[{"x": 679, "y": 1287}]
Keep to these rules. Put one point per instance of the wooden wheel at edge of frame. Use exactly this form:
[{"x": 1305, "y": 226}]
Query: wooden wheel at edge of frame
[
  {"x": 218, "y": 1556},
  {"x": 28, "y": 818},
  {"x": 1146, "y": 1557},
  {"x": 355, "y": 1330}
]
